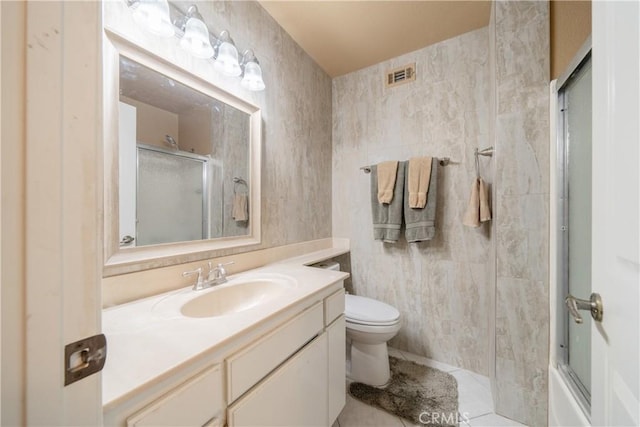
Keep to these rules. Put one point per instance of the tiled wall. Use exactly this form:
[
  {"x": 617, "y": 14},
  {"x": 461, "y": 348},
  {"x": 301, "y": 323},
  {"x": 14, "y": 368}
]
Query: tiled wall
[
  {"x": 440, "y": 287},
  {"x": 522, "y": 209},
  {"x": 296, "y": 114}
]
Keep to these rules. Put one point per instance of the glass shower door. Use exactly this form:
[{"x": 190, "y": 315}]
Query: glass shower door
[
  {"x": 170, "y": 204},
  {"x": 575, "y": 151}
]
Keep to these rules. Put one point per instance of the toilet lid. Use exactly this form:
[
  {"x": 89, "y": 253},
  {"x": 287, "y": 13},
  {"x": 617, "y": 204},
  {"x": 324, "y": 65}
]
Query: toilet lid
[{"x": 369, "y": 311}]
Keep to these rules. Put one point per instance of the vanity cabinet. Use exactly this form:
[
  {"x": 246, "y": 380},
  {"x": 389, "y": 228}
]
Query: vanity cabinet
[
  {"x": 308, "y": 389},
  {"x": 293, "y": 395},
  {"x": 290, "y": 372},
  {"x": 196, "y": 402},
  {"x": 247, "y": 367}
]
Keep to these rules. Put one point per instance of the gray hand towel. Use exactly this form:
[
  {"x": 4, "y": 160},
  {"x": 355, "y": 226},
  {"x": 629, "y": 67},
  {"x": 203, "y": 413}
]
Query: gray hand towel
[
  {"x": 387, "y": 218},
  {"x": 420, "y": 223}
]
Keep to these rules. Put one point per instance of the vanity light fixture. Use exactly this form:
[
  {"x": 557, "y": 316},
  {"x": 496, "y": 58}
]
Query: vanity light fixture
[
  {"x": 195, "y": 38},
  {"x": 252, "y": 78},
  {"x": 196, "y": 35},
  {"x": 226, "y": 59},
  {"x": 153, "y": 15}
]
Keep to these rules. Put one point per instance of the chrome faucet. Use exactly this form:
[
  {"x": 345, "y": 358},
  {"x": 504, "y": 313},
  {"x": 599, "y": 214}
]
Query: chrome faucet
[
  {"x": 216, "y": 276},
  {"x": 200, "y": 283}
]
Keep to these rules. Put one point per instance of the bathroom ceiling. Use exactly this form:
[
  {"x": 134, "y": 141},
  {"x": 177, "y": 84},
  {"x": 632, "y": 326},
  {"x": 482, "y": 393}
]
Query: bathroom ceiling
[{"x": 345, "y": 36}]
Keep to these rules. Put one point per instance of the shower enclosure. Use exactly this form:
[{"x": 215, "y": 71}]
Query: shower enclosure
[
  {"x": 170, "y": 201},
  {"x": 572, "y": 228}
]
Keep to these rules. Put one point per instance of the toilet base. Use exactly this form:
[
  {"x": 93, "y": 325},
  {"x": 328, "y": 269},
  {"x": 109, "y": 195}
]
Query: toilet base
[{"x": 370, "y": 364}]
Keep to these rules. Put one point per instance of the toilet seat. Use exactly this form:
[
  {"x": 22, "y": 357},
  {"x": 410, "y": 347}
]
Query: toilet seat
[
  {"x": 374, "y": 329},
  {"x": 366, "y": 311}
]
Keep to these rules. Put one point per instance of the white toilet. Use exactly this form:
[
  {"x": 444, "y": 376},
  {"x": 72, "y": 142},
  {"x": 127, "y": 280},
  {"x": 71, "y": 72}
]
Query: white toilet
[{"x": 370, "y": 324}]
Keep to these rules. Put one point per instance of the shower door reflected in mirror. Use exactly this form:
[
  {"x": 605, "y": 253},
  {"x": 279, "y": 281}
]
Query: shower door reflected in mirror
[
  {"x": 189, "y": 148},
  {"x": 171, "y": 206},
  {"x": 165, "y": 100}
]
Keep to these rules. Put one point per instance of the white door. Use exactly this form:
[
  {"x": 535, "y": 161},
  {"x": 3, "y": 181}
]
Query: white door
[
  {"x": 615, "y": 390},
  {"x": 63, "y": 199}
]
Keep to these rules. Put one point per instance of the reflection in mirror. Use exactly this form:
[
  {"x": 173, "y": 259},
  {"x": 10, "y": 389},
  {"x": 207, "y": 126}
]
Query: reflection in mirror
[{"x": 183, "y": 161}]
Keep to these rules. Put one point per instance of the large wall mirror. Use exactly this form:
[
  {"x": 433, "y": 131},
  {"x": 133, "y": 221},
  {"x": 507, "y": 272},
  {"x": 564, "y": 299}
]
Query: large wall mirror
[{"x": 182, "y": 163}]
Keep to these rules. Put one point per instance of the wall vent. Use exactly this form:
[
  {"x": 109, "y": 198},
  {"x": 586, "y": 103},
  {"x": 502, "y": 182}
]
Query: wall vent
[{"x": 401, "y": 75}]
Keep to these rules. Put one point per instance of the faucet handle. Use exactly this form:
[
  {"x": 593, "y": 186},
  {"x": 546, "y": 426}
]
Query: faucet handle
[
  {"x": 223, "y": 271},
  {"x": 197, "y": 271}
]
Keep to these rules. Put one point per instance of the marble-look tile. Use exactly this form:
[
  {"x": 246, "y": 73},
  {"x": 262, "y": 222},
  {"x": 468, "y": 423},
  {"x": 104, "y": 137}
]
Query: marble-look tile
[
  {"x": 443, "y": 113},
  {"x": 297, "y": 134},
  {"x": 528, "y": 212},
  {"x": 483, "y": 380},
  {"x": 358, "y": 414},
  {"x": 522, "y": 254},
  {"x": 474, "y": 399},
  {"x": 493, "y": 420},
  {"x": 523, "y": 141},
  {"x": 521, "y": 67},
  {"x": 395, "y": 353}
]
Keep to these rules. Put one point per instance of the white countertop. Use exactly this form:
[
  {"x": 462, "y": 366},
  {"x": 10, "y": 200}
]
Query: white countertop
[{"x": 148, "y": 338}]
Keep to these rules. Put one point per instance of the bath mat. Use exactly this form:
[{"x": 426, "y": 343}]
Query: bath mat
[{"x": 418, "y": 393}]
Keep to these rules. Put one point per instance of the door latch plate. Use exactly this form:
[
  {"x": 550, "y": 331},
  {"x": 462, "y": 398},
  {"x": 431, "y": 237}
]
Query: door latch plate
[{"x": 84, "y": 357}]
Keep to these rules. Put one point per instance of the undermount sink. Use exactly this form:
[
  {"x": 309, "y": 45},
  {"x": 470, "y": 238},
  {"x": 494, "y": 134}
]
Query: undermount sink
[{"x": 236, "y": 296}]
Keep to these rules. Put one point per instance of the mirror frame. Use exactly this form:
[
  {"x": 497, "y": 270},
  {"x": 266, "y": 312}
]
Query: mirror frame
[{"x": 127, "y": 260}]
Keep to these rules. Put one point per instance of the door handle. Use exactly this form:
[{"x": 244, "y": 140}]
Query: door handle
[
  {"x": 126, "y": 240},
  {"x": 593, "y": 304}
]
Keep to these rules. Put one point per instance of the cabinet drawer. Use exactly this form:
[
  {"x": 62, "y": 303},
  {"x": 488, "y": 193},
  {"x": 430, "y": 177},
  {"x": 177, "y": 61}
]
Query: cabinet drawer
[
  {"x": 247, "y": 367},
  {"x": 333, "y": 306},
  {"x": 194, "y": 403},
  {"x": 293, "y": 395}
]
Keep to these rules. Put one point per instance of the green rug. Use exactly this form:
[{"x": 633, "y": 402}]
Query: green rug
[{"x": 418, "y": 393}]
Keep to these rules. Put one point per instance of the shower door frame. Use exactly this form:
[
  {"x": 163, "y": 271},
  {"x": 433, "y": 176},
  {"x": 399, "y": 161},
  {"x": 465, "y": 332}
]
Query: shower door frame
[
  {"x": 205, "y": 180},
  {"x": 560, "y": 220}
]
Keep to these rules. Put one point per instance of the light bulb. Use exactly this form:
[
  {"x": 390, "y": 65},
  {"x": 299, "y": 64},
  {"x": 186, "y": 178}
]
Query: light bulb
[
  {"x": 227, "y": 60},
  {"x": 252, "y": 79},
  {"x": 196, "y": 39},
  {"x": 154, "y": 16}
]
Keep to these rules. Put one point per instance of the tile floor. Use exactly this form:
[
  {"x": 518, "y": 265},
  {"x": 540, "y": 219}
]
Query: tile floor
[{"x": 474, "y": 394}]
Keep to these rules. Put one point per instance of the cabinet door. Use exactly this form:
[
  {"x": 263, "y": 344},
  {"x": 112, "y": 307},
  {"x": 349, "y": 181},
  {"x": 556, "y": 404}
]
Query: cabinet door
[
  {"x": 336, "y": 365},
  {"x": 194, "y": 403},
  {"x": 294, "y": 395}
]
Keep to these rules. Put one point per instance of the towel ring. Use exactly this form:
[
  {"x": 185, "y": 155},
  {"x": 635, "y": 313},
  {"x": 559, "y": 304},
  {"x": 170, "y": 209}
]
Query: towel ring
[
  {"x": 239, "y": 181},
  {"x": 484, "y": 152}
]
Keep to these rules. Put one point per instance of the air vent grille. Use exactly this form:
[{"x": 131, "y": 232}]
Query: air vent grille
[{"x": 401, "y": 75}]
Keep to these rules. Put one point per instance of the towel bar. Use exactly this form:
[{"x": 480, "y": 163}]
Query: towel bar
[{"x": 444, "y": 161}]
